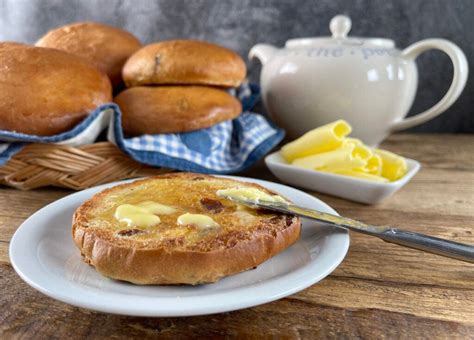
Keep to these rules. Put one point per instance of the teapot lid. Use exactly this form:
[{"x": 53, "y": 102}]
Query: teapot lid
[{"x": 340, "y": 26}]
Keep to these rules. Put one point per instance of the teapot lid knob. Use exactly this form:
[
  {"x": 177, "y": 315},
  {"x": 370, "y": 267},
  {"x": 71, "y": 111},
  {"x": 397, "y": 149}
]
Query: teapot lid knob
[{"x": 340, "y": 26}]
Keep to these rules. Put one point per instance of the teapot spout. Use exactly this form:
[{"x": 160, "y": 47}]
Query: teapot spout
[{"x": 262, "y": 52}]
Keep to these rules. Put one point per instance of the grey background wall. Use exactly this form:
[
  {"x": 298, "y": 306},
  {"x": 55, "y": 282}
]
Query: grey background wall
[{"x": 239, "y": 24}]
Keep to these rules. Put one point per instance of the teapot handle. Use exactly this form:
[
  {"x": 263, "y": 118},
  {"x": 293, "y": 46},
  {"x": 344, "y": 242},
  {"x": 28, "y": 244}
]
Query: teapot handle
[{"x": 460, "y": 73}]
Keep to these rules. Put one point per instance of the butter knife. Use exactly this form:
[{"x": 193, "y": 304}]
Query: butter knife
[{"x": 434, "y": 245}]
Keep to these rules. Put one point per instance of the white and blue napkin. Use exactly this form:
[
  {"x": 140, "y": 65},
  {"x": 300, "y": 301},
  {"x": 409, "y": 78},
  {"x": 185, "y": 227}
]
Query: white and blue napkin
[{"x": 227, "y": 147}]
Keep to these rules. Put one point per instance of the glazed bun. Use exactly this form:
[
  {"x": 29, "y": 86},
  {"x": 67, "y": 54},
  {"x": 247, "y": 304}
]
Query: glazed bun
[
  {"x": 106, "y": 47},
  {"x": 174, "y": 109},
  {"x": 45, "y": 91},
  {"x": 184, "y": 62}
]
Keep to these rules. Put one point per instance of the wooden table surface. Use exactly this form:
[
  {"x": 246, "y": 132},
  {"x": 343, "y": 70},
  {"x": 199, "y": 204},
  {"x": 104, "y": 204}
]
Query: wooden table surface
[{"x": 379, "y": 290}]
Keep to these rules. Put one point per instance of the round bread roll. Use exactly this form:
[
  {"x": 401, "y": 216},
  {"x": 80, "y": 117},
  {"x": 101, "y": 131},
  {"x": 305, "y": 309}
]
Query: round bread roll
[
  {"x": 45, "y": 91},
  {"x": 170, "y": 252},
  {"x": 185, "y": 62},
  {"x": 106, "y": 47},
  {"x": 173, "y": 109}
]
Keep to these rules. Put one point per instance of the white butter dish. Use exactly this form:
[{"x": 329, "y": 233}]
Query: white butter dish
[{"x": 351, "y": 188}]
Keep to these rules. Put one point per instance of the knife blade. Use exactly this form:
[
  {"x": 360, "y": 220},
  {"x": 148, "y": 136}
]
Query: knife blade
[{"x": 434, "y": 245}]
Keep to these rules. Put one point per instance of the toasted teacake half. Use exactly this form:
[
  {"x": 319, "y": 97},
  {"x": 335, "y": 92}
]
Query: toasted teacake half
[{"x": 168, "y": 253}]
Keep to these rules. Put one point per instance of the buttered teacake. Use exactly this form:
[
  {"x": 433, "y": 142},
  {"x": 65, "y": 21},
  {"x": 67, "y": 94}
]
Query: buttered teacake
[
  {"x": 169, "y": 210},
  {"x": 175, "y": 228}
]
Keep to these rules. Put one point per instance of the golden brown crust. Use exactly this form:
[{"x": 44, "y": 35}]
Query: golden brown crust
[
  {"x": 46, "y": 91},
  {"x": 107, "y": 47},
  {"x": 184, "y": 62},
  {"x": 173, "y": 109},
  {"x": 144, "y": 261}
]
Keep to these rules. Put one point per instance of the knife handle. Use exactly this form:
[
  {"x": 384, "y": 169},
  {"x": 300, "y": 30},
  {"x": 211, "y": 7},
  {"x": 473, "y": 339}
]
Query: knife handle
[{"x": 429, "y": 244}]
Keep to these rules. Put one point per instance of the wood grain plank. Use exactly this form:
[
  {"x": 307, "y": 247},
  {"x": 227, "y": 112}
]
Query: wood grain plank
[
  {"x": 27, "y": 202},
  {"x": 4, "y": 258},
  {"x": 424, "y": 301},
  {"x": 19, "y": 205},
  {"x": 377, "y": 260},
  {"x": 305, "y": 315},
  {"x": 438, "y": 151},
  {"x": 8, "y": 226}
]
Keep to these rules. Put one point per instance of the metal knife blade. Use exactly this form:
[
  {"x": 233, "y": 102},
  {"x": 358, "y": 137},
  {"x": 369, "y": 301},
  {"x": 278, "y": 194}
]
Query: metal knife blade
[{"x": 408, "y": 239}]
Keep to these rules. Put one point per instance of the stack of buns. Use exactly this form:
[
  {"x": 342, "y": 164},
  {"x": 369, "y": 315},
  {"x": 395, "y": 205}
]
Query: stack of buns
[
  {"x": 179, "y": 86},
  {"x": 172, "y": 86},
  {"x": 49, "y": 88}
]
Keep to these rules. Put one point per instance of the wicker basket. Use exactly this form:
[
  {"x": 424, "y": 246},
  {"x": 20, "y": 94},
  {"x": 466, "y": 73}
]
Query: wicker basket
[{"x": 39, "y": 165}]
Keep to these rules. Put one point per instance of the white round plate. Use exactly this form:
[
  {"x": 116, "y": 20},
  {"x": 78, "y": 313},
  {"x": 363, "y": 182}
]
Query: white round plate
[{"x": 44, "y": 255}]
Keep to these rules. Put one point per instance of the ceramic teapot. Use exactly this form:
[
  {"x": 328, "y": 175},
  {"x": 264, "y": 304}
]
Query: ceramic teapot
[{"x": 367, "y": 81}]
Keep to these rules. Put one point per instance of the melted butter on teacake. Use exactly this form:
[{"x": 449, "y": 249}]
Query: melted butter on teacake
[{"x": 182, "y": 197}]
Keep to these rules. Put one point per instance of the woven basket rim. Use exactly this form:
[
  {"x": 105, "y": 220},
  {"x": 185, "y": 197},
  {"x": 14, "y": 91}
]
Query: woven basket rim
[{"x": 38, "y": 165}]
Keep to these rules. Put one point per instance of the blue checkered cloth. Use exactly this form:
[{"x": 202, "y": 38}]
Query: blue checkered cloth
[{"x": 227, "y": 147}]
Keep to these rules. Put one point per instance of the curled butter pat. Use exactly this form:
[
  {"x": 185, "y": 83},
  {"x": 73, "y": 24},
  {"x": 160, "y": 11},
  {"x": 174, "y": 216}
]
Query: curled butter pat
[
  {"x": 248, "y": 193},
  {"x": 198, "y": 220},
  {"x": 345, "y": 157},
  {"x": 156, "y": 208},
  {"x": 321, "y": 139},
  {"x": 361, "y": 175},
  {"x": 135, "y": 216},
  {"x": 393, "y": 166},
  {"x": 362, "y": 152},
  {"x": 329, "y": 149},
  {"x": 350, "y": 140},
  {"x": 374, "y": 165}
]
